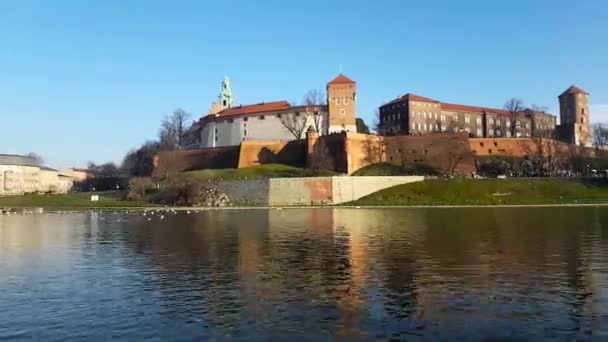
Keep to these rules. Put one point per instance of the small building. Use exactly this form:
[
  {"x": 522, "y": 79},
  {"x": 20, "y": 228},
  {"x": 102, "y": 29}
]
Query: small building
[{"x": 24, "y": 175}]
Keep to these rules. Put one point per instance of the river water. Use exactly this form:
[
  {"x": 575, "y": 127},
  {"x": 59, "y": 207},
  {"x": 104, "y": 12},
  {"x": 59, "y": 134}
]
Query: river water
[{"x": 306, "y": 274}]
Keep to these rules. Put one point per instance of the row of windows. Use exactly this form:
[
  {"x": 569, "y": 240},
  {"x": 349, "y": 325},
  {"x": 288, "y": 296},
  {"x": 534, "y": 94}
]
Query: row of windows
[
  {"x": 341, "y": 100},
  {"x": 279, "y": 115},
  {"x": 426, "y": 104}
]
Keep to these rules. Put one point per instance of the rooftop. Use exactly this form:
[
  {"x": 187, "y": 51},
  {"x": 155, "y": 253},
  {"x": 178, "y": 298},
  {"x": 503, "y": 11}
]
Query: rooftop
[
  {"x": 573, "y": 90},
  {"x": 15, "y": 159},
  {"x": 256, "y": 108},
  {"x": 412, "y": 97},
  {"x": 341, "y": 79}
]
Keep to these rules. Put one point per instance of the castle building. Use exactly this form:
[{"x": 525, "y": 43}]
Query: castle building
[
  {"x": 412, "y": 114},
  {"x": 228, "y": 125}
]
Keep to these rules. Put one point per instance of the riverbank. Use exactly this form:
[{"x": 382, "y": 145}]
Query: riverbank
[
  {"x": 429, "y": 193},
  {"x": 80, "y": 200}
]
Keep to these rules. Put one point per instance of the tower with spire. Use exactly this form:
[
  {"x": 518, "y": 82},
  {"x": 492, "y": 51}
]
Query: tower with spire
[{"x": 224, "y": 100}]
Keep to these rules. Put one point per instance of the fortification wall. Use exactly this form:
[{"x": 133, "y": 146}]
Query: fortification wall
[
  {"x": 525, "y": 147},
  {"x": 448, "y": 153},
  {"x": 172, "y": 162},
  {"x": 272, "y": 152}
]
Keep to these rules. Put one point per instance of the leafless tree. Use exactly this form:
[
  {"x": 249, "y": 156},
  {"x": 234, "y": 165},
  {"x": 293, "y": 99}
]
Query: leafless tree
[
  {"x": 314, "y": 97},
  {"x": 515, "y": 107},
  {"x": 322, "y": 157},
  {"x": 295, "y": 124},
  {"x": 543, "y": 153},
  {"x": 317, "y": 122},
  {"x": 36, "y": 158},
  {"x": 600, "y": 136},
  {"x": 373, "y": 150},
  {"x": 377, "y": 123},
  {"x": 539, "y": 109},
  {"x": 173, "y": 130},
  {"x": 453, "y": 125}
]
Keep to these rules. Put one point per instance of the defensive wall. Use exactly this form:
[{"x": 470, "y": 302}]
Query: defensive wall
[
  {"x": 448, "y": 153},
  {"x": 308, "y": 190}
]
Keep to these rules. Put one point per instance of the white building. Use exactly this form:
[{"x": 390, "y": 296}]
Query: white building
[
  {"x": 23, "y": 175},
  {"x": 229, "y": 125}
]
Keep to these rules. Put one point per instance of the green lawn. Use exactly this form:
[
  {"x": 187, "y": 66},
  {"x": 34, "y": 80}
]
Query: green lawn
[
  {"x": 74, "y": 201},
  {"x": 490, "y": 192},
  {"x": 252, "y": 172}
]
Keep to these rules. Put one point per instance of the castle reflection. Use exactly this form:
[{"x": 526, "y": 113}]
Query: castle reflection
[{"x": 370, "y": 273}]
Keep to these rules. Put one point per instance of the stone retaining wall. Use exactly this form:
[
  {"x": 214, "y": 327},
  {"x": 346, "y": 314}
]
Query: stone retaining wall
[{"x": 308, "y": 191}]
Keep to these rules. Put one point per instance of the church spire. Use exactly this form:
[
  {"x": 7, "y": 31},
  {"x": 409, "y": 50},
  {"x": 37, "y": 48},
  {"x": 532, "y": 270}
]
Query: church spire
[{"x": 226, "y": 98}]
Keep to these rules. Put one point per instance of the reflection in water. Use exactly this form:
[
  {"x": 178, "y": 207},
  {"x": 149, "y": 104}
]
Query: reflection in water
[{"x": 308, "y": 273}]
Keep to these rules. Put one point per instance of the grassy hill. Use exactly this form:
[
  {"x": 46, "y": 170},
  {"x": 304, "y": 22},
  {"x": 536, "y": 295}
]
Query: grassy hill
[{"x": 490, "y": 192}]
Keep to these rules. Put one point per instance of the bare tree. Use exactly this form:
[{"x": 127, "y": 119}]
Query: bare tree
[
  {"x": 539, "y": 109},
  {"x": 600, "y": 136},
  {"x": 515, "y": 107},
  {"x": 36, "y": 158},
  {"x": 140, "y": 162},
  {"x": 314, "y": 97},
  {"x": 173, "y": 130},
  {"x": 317, "y": 122},
  {"x": 377, "y": 123},
  {"x": 295, "y": 123},
  {"x": 322, "y": 156}
]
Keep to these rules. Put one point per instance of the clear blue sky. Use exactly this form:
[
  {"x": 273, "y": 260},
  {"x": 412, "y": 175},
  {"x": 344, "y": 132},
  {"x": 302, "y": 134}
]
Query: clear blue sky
[{"x": 88, "y": 80}]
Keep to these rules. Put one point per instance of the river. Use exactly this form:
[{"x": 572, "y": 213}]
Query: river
[{"x": 306, "y": 274}]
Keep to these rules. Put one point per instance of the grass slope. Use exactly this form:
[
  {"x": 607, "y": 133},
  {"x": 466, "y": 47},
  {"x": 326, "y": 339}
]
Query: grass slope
[
  {"x": 69, "y": 201},
  {"x": 489, "y": 192},
  {"x": 252, "y": 172}
]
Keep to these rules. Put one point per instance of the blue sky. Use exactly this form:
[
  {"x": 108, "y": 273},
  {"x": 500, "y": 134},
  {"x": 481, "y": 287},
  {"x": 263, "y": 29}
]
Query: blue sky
[{"x": 88, "y": 80}]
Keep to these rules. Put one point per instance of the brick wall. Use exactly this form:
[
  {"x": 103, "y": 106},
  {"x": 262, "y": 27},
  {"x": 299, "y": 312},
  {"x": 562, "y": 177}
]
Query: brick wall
[
  {"x": 272, "y": 152},
  {"x": 449, "y": 153},
  {"x": 172, "y": 162}
]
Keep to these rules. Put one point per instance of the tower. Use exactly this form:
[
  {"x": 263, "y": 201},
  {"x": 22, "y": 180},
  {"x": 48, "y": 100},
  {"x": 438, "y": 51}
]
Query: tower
[
  {"x": 226, "y": 99},
  {"x": 342, "y": 104},
  {"x": 574, "y": 116}
]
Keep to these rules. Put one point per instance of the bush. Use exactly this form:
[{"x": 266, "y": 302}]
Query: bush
[
  {"x": 190, "y": 194},
  {"x": 139, "y": 187}
]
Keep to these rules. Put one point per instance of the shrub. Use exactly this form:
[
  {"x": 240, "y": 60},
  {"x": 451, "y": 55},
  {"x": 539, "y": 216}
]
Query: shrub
[{"x": 139, "y": 187}]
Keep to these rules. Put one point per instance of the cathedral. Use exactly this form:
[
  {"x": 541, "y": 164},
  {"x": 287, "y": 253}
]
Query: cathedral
[{"x": 227, "y": 124}]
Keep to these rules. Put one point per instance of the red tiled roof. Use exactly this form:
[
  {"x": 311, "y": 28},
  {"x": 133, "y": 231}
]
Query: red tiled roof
[
  {"x": 256, "y": 108},
  {"x": 474, "y": 109},
  {"x": 341, "y": 79},
  {"x": 573, "y": 90},
  {"x": 412, "y": 97}
]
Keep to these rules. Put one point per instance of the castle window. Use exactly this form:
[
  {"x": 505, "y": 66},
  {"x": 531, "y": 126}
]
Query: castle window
[
  {"x": 583, "y": 111},
  {"x": 245, "y": 119},
  {"x": 230, "y": 120},
  {"x": 582, "y": 120},
  {"x": 346, "y": 100},
  {"x": 342, "y": 111},
  {"x": 337, "y": 100},
  {"x": 262, "y": 117},
  {"x": 297, "y": 113},
  {"x": 279, "y": 115}
]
